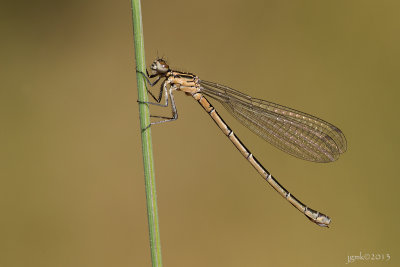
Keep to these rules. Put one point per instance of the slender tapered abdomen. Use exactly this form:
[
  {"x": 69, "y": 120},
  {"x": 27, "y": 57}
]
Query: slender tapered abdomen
[{"x": 315, "y": 216}]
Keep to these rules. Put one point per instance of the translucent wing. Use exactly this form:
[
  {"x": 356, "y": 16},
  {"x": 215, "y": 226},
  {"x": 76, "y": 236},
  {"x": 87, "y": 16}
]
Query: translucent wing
[{"x": 295, "y": 132}]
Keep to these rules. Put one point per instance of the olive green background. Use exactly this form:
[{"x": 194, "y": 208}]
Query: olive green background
[{"x": 72, "y": 187}]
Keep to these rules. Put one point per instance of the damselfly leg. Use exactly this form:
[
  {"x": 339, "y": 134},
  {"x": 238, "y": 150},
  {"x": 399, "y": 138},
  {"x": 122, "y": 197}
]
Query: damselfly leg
[{"x": 167, "y": 95}]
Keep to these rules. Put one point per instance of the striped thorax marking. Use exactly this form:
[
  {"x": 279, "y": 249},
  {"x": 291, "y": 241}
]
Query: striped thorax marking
[{"x": 185, "y": 82}]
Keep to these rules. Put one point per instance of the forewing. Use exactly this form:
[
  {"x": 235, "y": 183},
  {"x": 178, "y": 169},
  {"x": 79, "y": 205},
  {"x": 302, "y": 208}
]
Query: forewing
[{"x": 295, "y": 132}]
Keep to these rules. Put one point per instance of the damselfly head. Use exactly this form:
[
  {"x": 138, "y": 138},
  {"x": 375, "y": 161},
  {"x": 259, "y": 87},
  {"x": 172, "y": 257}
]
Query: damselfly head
[{"x": 159, "y": 66}]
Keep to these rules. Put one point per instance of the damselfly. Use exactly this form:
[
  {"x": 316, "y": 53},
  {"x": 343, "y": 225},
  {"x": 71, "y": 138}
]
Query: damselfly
[{"x": 295, "y": 132}]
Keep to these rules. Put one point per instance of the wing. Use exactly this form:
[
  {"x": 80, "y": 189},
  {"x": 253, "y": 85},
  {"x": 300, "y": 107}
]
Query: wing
[{"x": 295, "y": 132}]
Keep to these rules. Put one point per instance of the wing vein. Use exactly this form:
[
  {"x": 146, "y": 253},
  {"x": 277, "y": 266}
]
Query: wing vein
[{"x": 297, "y": 133}]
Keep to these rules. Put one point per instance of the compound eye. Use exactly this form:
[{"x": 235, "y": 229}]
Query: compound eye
[{"x": 164, "y": 66}]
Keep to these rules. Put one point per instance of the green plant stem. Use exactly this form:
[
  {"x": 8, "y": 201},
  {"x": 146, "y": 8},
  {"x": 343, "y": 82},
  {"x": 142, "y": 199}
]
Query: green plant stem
[{"x": 147, "y": 149}]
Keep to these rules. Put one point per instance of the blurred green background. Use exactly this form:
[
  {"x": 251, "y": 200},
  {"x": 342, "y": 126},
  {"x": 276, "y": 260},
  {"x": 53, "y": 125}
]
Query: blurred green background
[{"x": 72, "y": 188}]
